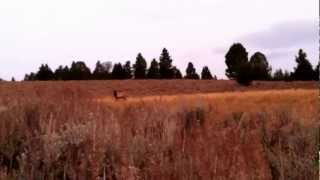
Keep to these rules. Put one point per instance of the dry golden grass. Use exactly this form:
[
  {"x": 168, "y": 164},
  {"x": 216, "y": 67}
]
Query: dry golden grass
[
  {"x": 134, "y": 88},
  {"x": 58, "y": 131}
]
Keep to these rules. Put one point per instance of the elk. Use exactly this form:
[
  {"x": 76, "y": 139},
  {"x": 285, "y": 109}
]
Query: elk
[{"x": 117, "y": 96}]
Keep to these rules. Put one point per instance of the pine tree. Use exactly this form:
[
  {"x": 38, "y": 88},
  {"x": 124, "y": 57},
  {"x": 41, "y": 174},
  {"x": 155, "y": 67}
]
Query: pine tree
[
  {"x": 140, "y": 67},
  {"x": 260, "y": 67},
  {"x": 176, "y": 73},
  {"x": 118, "y": 72},
  {"x": 66, "y": 73},
  {"x": 304, "y": 70},
  {"x": 165, "y": 65},
  {"x": 79, "y": 71},
  {"x": 316, "y": 72},
  {"x": 206, "y": 74},
  {"x": 287, "y": 76},
  {"x": 59, "y": 73},
  {"x": 98, "y": 72},
  {"x": 102, "y": 70},
  {"x": 191, "y": 72},
  {"x": 153, "y": 71},
  {"x": 244, "y": 74},
  {"x": 127, "y": 70},
  {"x": 278, "y": 75},
  {"x": 45, "y": 73},
  {"x": 30, "y": 77},
  {"x": 236, "y": 57}
]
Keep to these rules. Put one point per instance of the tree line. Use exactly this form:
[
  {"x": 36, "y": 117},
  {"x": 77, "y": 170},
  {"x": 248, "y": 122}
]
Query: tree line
[
  {"x": 239, "y": 67},
  {"x": 245, "y": 70},
  {"x": 105, "y": 70}
]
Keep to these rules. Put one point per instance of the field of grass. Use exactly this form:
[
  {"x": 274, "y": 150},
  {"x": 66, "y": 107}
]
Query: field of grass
[
  {"x": 135, "y": 88},
  {"x": 191, "y": 130}
]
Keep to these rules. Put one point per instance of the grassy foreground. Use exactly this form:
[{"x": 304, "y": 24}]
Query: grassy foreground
[{"x": 272, "y": 134}]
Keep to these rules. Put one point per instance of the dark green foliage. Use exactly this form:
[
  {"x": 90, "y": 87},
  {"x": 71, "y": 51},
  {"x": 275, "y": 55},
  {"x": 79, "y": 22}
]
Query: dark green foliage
[
  {"x": 140, "y": 67},
  {"x": 279, "y": 75},
  {"x": 127, "y": 70},
  {"x": 118, "y": 72},
  {"x": 44, "y": 73},
  {"x": 236, "y": 56},
  {"x": 235, "y": 59},
  {"x": 79, "y": 71},
  {"x": 30, "y": 77},
  {"x": 153, "y": 72},
  {"x": 58, "y": 73},
  {"x": 98, "y": 73},
  {"x": 260, "y": 67},
  {"x": 304, "y": 70},
  {"x": 176, "y": 73},
  {"x": 206, "y": 74},
  {"x": 165, "y": 65},
  {"x": 244, "y": 74},
  {"x": 287, "y": 76},
  {"x": 316, "y": 72},
  {"x": 191, "y": 72},
  {"x": 102, "y": 71},
  {"x": 62, "y": 73}
]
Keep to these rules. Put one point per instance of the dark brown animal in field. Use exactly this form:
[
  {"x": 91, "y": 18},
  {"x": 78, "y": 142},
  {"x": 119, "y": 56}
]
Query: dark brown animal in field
[{"x": 117, "y": 96}]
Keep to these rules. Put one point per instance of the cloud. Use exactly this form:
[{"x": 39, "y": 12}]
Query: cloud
[
  {"x": 280, "y": 43},
  {"x": 279, "y": 54},
  {"x": 294, "y": 34}
]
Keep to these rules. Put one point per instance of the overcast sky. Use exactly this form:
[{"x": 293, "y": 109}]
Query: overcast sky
[{"x": 60, "y": 31}]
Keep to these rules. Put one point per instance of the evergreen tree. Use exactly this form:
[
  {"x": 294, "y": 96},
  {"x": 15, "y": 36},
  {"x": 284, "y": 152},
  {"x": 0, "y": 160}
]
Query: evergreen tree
[
  {"x": 62, "y": 73},
  {"x": 44, "y": 73},
  {"x": 153, "y": 72},
  {"x": 206, "y": 74},
  {"x": 98, "y": 73},
  {"x": 165, "y": 65},
  {"x": 13, "y": 80},
  {"x": 79, "y": 71},
  {"x": 176, "y": 73},
  {"x": 66, "y": 73},
  {"x": 140, "y": 67},
  {"x": 30, "y": 77},
  {"x": 236, "y": 56},
  {"x": 59, "y": 73},
  {"x": 287, "y": 76},
  {"x": 127, "y": 70},
  {"x": 191, "y": 72},
  {"x": 278, "y": 75},
  {"x": 260, "y": 67},
  {"x": 244, "y": 74},
  {"x": 118, "y": 72},
  {"x": 316, "y": 72},
  {"x": 304, "y": 70},
  {"x": 101, "y": 71}
]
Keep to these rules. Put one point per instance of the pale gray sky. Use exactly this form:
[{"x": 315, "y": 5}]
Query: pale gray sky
[{"x": 60, "y": 31}]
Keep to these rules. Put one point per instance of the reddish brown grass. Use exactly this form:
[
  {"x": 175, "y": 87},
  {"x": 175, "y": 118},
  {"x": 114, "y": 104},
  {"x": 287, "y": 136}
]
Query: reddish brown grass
[{"x": 67, "y": 131}]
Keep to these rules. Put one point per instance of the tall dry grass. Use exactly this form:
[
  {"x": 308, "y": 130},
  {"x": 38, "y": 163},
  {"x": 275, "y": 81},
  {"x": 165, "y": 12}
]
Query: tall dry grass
[{"x": 73, "y": 135}]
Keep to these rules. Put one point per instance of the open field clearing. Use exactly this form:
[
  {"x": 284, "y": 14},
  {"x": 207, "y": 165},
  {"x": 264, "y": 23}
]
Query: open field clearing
[
  {"x": 134, "y": 88},
  {"x": 64, "y": 132}
]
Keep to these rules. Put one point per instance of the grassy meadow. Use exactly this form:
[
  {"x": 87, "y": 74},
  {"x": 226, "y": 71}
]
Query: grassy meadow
[{"x": 192, "y": 130}]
